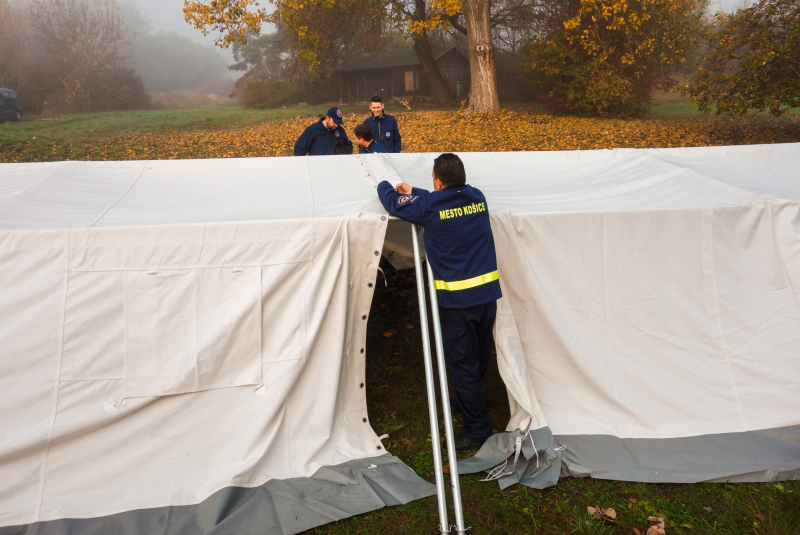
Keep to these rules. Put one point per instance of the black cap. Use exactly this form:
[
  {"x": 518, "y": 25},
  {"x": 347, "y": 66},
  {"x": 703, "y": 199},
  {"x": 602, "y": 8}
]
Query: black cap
[{"x": 336, "y": 114}]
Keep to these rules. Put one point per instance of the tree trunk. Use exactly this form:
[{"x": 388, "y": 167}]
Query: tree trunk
[
  {"x": 483, "y": 97},
  {"x": 422, "y": 46}
]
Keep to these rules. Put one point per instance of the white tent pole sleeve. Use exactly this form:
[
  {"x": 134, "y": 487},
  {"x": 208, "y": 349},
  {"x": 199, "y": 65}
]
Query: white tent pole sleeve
[
  {"x": 444, "y": 527},
  {"x": 447, "y": 415}
]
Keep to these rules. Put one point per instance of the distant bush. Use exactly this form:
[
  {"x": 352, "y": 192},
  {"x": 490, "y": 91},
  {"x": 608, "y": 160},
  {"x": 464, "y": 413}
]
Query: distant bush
[
  {"x": 599, "y": 58},
  {"x": 67, "y": 56},
  {"x": 597, "y": 89},
  {"x": 262, "y": 94}
]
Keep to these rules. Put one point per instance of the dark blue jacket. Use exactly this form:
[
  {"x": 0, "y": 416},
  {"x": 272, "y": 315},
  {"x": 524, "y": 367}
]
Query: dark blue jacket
[
  {"x": 316, "y": 140},
  {"x": 373, "y": 148},
  {"x": 385, "y": 131},
  {"x": 458, "y": 240}
]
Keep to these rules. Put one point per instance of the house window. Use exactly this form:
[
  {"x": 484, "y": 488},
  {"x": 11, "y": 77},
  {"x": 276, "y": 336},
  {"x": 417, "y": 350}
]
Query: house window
[{"x": 412, "y": 81}]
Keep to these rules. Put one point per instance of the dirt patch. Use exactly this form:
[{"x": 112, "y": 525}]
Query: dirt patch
[{"x": 172, "y": 100}]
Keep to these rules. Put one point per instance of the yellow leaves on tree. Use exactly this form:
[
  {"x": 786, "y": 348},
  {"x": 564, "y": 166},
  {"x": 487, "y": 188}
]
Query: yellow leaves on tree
[{"x": 635, "y": 41}]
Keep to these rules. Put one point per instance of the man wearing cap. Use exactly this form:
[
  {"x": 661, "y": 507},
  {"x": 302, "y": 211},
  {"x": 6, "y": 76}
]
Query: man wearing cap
[
  {"x": 321, "y": 137},
  {"x": 383, "y": 126}
]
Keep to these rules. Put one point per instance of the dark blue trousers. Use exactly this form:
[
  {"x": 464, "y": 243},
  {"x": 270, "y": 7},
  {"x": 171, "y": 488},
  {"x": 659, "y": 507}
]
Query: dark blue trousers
[{"x": 467, "y": 340}]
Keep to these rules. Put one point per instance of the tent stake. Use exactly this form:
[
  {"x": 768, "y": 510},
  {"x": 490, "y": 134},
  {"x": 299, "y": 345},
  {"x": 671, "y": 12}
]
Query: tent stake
[
  {"x": 448, "y": 419},
  {"x": 444, "y": 527}
]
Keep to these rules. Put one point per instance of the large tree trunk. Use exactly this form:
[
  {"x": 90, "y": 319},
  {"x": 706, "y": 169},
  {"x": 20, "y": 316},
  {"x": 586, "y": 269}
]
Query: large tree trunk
[
  {"x": 422, "y": 46},
  {"x": 483, "y": 95}
]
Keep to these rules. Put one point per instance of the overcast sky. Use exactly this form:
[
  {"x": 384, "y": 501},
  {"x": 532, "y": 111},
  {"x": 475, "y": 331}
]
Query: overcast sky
[{"x": 168, "y": 15}]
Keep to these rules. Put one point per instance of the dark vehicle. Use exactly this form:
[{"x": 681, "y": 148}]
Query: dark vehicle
[{"x": 10, "y": 109}]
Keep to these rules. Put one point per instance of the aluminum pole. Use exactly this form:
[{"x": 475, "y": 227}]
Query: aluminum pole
[
  {"x": 448, "y": 419},
  {"x": 444, "y": 527}
]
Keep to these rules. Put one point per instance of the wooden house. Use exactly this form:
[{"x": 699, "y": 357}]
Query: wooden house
[{"x": 399, "y": 74}]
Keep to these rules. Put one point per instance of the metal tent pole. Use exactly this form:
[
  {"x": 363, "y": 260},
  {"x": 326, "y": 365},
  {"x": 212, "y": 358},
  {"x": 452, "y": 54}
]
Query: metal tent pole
[
  {"x": 444, "y": 527},
  {"x": 448, "y": 419}
]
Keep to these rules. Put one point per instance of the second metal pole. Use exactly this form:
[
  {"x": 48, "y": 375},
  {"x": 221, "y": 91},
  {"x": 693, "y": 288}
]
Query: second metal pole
[
  {"x": 448, "y": 419},
  {"x": 444, "y": 527}
]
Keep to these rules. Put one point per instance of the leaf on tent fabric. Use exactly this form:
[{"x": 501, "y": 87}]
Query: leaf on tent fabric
[{"x": 657, "y": 526}]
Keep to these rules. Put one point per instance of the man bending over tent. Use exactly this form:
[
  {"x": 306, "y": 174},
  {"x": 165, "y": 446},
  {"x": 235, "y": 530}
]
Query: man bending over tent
[{"x": 460, "y": 249}]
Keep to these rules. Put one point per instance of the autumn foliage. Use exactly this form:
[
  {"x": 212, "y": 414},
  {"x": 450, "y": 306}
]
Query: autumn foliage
[
  {"x": 433, "y": 131},
  {"x": 603, "y": 57},
  {"x": 754, "y": 64}
]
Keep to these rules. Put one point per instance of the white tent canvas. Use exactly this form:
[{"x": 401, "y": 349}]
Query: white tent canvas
[{"x": 174, "y": 329}]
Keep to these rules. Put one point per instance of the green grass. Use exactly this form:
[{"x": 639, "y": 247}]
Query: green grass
[
  {"x": 99, "y": 125},
  {"x": 396, "y": 399}
]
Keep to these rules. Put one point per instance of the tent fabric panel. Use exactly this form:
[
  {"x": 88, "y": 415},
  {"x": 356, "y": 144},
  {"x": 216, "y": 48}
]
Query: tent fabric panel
[
  {"x": 537, "y": 464},
  {"x": 32, "y": 288},
  {"x": 626, "y": 309},
  {"x": 147, "y": 248},
  {"x": 69, "y": 194},
  {"x": 570, "y": 181},
  {"x": 308, "y": 411},
  {"x": 763, "y": 169},
  {"x": 283, "y": 507},
  {"x": 752, "y": 456}
]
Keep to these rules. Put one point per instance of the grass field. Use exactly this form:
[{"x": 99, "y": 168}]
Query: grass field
[
  {"x": 232, "y": 131},
  {"x": 395, "y": 378}
]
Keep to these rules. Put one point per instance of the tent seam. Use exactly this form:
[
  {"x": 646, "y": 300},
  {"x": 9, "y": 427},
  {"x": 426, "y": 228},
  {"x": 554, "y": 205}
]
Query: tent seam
[
  {"x": 57, "y": 379},
  {"x": 144, "y": 166}
]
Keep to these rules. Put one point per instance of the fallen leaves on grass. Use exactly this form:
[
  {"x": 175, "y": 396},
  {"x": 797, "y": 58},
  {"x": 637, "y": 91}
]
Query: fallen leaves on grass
[
  {"x": 601, "y": 513},
  {"x": 657, "y": 526},
  {"x": 427, "y": 131}
]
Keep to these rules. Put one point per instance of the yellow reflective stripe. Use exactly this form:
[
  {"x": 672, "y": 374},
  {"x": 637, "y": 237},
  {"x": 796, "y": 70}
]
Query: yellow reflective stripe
[{"x": 467, "y": 283}]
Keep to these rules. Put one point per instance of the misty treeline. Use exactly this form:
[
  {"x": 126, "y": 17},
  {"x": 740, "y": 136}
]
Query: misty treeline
[
  {"x": 68, "y": 54},
  {"x": 288, "y": 65},
  {"x": 96, "y": 55}
]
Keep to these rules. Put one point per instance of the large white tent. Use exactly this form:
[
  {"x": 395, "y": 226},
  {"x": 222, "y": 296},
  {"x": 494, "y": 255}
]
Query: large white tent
[{"x": 182, "y": 342}]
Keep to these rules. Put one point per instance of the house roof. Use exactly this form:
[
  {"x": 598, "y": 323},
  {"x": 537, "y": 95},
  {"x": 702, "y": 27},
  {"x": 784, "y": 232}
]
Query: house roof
[{"x": 394, "y": 58}]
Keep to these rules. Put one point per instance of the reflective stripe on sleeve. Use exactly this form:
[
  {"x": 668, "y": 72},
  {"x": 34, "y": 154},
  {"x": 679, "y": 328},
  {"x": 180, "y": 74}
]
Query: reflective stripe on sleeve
[{"x": 467, "y": 283}]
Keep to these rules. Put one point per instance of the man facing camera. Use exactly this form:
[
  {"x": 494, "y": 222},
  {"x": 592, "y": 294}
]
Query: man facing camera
[
  {"x": 383, "y": 126},
  {"x": 460, "y": 248},
  {"x": 321, "y": 137},
  {"x": 366, "y": 143}
]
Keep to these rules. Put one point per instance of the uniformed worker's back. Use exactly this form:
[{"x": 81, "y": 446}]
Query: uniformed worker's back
[
  {"x": 458, "y": 239},
  {"x": 460, "y": 247}
]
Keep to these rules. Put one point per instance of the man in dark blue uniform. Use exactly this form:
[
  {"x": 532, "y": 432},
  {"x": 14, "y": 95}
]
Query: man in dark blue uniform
[
  {"x": 366, "y": 143},
  {"x": 383, "y": 126},
  {"x": 321, "y": 137},
  {"x": 460, "y": 248}
]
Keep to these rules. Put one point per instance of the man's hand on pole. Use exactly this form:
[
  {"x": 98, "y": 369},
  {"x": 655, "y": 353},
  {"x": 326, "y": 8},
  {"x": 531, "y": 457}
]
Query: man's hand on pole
[{"x": 403, "y": 188}]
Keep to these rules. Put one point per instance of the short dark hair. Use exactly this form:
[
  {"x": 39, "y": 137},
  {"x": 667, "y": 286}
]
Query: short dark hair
[
  {"x": 342, "y": 148},
  {"x": 363, "y": 131},
  {"x": 450, "y": 170},
  {"x": 376, "y": 98}
]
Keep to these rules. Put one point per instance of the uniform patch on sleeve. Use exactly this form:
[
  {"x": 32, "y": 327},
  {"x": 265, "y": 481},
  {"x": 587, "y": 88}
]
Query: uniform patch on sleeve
[{"x": 406, "y": 199}]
